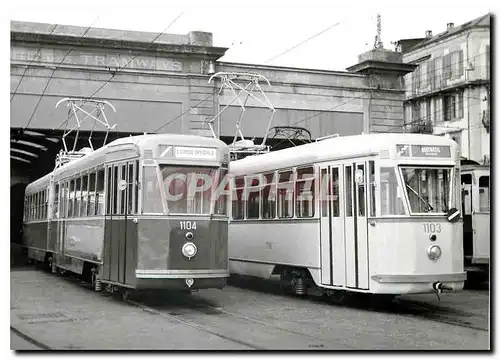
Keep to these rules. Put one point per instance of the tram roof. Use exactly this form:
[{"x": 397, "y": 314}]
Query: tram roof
[
  {"x": 332, "y": 148},
  {"x": 139, "y": 142}
]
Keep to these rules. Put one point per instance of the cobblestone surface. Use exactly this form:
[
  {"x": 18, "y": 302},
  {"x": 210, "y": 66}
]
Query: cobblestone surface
[{"x": 66, "y": 315}]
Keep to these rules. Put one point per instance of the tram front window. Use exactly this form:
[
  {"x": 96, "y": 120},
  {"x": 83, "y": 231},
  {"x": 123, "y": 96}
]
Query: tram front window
[{"x": 428, "y": 189}]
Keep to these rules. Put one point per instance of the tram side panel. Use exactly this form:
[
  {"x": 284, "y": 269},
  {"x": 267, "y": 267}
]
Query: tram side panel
[
  {"x": 35, "y": 239},
  {"x": 399, "y": 260},
  {"x": 120, "y": 249}
]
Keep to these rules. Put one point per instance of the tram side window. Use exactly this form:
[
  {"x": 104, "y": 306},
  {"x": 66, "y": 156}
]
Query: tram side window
[
  {"x": 253, "y": 196},
  {"x": 115, "y": 190},
  {"x": 78, "y": 191},
  {"x": 45, "y": 203},
  {"x": 269, "y": 197},
  {"x": 484, "y": 193},
  {"x": 390, "y": 195},
  {"x": 130, "y": 189},
  {"x": 285, "y": 194},
  {"x": 152, "y": 203},
  {"x": 324, "y": 192},
  {"x": 304, "y": 192},
  {"x": 71, "y": 198},
  {"x": 220, "y": 195},
  {"x": 83, "y": 195},
  {"x": 361, "y": 192},
  {"x": 99, "y": 193},
  {"x": 348, "y": 190},
  {"x": 238, "y": 206},
  {"x": 136, "y": 187},
  {"x": 91, "y": 195},
  {"x": 109, "y": 196},
  {"x": 371, "y": 169},
  {"x": 334, "y": 192},
  {"x": 122, "y": 194},
  {"x": 55, "y": 206}
]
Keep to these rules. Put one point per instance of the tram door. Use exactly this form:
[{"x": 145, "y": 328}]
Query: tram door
[
  {"x": 333, "y": 269},
  {"x": 356, "y": 224},
  {"x": 468, "y": 231}
]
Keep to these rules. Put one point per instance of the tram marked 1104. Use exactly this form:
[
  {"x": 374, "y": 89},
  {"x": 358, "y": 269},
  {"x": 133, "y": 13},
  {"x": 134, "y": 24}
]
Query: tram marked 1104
[{"x": 118, "y": 218}]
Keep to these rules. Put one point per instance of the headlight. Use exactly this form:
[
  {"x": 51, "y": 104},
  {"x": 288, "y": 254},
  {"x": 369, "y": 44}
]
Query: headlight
[
  {"x": 434, "y": 252},
  {"x": 189, "y": 250}
]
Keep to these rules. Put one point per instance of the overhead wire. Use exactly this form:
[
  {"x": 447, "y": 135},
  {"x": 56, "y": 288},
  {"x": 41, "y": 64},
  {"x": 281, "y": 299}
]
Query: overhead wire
[{"x": 306, "y": 40}]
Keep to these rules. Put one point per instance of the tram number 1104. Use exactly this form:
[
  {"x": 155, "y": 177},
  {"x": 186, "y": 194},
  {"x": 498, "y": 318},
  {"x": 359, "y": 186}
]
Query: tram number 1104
[
  {"x": 188, "y": 225},
  {"x": 430, "y": 228}
]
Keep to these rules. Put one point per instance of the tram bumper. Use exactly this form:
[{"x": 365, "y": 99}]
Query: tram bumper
[
  {"x": 418, "y": 283},
  {"x": 181, "y": 279}
]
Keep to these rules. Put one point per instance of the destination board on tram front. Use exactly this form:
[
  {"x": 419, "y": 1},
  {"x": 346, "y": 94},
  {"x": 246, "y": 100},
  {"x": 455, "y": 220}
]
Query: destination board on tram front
[{"x": 424, "y": 151}]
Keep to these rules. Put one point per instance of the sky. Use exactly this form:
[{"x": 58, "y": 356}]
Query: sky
[{"x": 311, "y": 34}]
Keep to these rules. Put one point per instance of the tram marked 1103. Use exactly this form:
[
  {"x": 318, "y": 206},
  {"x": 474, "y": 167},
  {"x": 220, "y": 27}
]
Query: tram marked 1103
[{"x": 374, "y": 213}]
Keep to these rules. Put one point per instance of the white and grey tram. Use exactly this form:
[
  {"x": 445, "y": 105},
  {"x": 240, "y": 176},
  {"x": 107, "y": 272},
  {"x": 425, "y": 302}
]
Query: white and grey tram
[
  {"x": 475, "y": 181},
  {"x": 135, "y": 213},
  {"x": 373, "y": 213}
]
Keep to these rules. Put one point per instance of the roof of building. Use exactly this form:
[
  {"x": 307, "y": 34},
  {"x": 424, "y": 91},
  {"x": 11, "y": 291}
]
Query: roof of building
[{"x": 482, "y": 21}]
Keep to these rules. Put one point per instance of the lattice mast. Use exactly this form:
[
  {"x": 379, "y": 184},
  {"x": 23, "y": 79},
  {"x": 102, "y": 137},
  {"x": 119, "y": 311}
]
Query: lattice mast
[
  {"x": 82, "y": 110},
  {"x": 243, "y": 86},
  {"x": 378, "y": 38}
]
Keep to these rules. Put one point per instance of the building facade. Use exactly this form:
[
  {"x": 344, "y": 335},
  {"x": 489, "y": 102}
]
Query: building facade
[
  {"x": 163, "y": 86},
  {"x": 449, "y": 91}
]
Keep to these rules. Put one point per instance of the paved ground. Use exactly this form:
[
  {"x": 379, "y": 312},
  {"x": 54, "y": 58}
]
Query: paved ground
[
  {"x": 19, "y": 343},
  {"x": 63, "y": 314}
]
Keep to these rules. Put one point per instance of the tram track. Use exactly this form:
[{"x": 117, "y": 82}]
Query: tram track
[
  {"x": 195, "y": 308},
  {"x": 402, "y": 307},
  {"x": 29, "y": 339}
]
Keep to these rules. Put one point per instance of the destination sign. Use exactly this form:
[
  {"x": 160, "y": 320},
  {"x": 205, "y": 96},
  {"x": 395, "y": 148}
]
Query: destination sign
[
  {"x": 195, "y": 153},
  {"x": 424, "y": 151}
]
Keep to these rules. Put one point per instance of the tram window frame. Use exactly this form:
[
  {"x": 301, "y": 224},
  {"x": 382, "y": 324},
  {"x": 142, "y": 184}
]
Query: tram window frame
[
  {"x": 136, "y": 187},
  {"x": 109, "y": 192},
  {"x": 397, "y": 204},
  {"x": 484, "y": 189},
  {"x": 361, "y": 192},
  {"x": 372, "y": 181},
  {"x": 46, "y": 203},
  {"x": 285, "y": 194},
  {"x": 91, "y": 193},
  {"x": 83, "y": 194},
  {"x": 324, "y": 193},
  {"x": 348, "y": 184},
  {"x": 55, "y": 205},
  {"x": 115, "y": 190},
  {"x": 304, "y": 174},
  {"x": 221, "y": 200},
  {"x": 78, "y": 191},
  {"x": 269, "y": 196},
  {"x": 333, "y": 190},
  {"x": 100, "y": 193},
  {"x": 238, "y": 202},
  {"x": 130, "y": 188},
  {"x": 252, "y": 196}
]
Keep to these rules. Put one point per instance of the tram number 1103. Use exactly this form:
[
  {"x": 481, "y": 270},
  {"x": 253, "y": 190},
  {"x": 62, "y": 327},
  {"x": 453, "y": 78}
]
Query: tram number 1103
[
  {"x": 188, "y": 225},
  {"x": 430, "y": 228}
]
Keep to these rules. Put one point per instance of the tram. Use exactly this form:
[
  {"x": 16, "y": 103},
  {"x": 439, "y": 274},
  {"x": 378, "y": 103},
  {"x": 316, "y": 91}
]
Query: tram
[
  {"x": 372, "y": 213},
  {"x": 475, "y": 181},
  {"x": 134, "y": 214}
]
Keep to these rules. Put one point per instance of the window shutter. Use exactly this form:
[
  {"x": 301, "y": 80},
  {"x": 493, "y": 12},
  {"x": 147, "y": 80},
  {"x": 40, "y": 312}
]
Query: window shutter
[
  {"x": 460, "y": 63},
  {"x": 430, "y": 73},
  {"x": 447, "y": 66}
]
